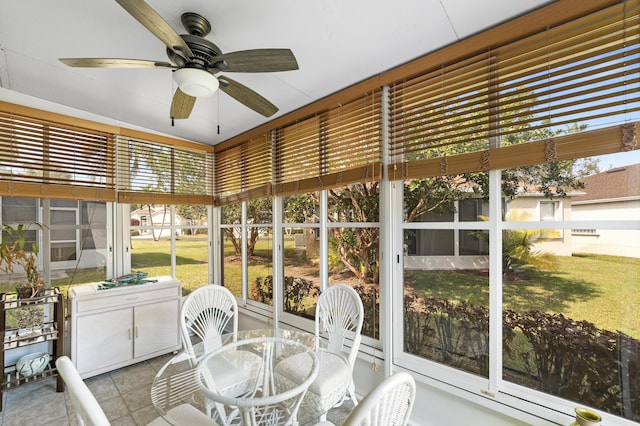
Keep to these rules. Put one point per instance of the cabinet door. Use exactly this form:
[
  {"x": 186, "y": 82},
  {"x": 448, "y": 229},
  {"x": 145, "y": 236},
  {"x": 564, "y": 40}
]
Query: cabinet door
[
  {"x": 156, "y": 327},
  {"x": 104, "y": 339}
]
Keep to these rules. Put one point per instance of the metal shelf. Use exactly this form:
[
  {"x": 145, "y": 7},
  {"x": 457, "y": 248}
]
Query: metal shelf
[{"x": 51, "y": 331}]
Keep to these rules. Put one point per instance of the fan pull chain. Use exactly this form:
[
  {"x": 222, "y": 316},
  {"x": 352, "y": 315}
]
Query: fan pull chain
[{"x": 218, "y": 99}]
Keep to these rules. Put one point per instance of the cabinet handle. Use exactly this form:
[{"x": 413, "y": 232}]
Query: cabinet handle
[
  {"x": 129, "y": 333},
  {"x": 136, "y": 331},
  {"x": 132, "y": 298}
]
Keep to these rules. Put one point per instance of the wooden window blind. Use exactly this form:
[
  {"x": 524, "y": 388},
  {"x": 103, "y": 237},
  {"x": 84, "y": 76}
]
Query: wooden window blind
[
  {"x": 152, "y": 172},
  {"x": 339, "y": 146},
  {"x": 243, "y": 171},
  {"x": 580, "y": 76},
  {"x": 45, "y": 159}
]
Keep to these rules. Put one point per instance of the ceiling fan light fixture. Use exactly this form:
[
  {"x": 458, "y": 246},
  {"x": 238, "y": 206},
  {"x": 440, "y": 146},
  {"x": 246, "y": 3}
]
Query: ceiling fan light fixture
[{"x": 196, "y": 82}]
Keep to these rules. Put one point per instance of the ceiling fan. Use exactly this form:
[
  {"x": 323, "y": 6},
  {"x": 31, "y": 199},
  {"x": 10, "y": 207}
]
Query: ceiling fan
[{"x": 197, "y": 62}]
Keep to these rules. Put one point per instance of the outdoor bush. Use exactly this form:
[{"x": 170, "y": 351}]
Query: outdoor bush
[
  {"x": 571, "y": 359},
  {"x": 369, "y": 295},
  {"x": 296, "y": 290},
  {"x": 262, "y": 291},
  {"x": 456, "y": 334},
  {"x": 580, "y": 362}
]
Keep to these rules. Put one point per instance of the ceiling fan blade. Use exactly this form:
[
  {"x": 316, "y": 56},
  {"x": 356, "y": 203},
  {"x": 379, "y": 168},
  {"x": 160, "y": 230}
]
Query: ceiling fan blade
[
  {"x": 181, "y": 105},
  {"x": 246, "y": 96},
  {"x": 257, "y": 60},
  {"x": 114, "y": 63},
  {"x": 152, "y": 21}
]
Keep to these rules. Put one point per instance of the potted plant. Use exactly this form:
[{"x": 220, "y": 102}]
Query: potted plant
[{"x": 14, "y": 251}]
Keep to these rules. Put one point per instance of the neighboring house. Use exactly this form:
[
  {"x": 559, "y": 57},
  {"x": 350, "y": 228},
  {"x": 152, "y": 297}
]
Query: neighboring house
[
  {"x": 443, "y": 249},
  {"x": 611, "y": 195},
  {"x": 535, "y": 206},
  {"x": 156, "y": 216}
]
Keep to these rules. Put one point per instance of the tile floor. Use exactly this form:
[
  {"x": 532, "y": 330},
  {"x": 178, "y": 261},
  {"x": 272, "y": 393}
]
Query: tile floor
[{"x": 123, "y": 394}]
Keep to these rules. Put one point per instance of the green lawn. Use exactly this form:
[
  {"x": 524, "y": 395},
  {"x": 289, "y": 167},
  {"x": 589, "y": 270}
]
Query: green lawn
[{"x": 604, "y": 290}]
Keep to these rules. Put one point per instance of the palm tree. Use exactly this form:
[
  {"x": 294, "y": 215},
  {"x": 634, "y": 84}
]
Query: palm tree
[{"x": 518, "y": 246}]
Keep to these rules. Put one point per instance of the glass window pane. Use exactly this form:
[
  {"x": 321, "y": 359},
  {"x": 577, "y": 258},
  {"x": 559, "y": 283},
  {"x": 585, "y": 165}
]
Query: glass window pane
[
  {"x": 19, "y": 210},
  {"x": 301, "y": 271},
  {"x": 354, "y": 260},
  {"x": 302, "y": 208},
  {"x": 355, "y": 203},
  {"x": 473, "y": 243},
  {"x": 192, "y": 259},
  {"x": 231, "y": 261},
  {"x": 63, "y": 251},
  {"x": 231, "y": 214},
  {"x": 472, "y": 210},
  {"x": 192, "y": 247},
  {"x": 79, "y": 249},
  {"x": 547, "y": 210},
  {"x": 259, "y": 211},
  {"x": 260, "y": 268},
  {"x": 446, "y": 317},
  {"x": 429, "y": 242},
  {"x": 152, "y": 255},
  {"x": 570, "y": 295},
  {"x": 446, "y": 280}
]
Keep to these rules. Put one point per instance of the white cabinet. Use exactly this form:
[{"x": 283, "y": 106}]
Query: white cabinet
[{"x": 112, "y": 328}]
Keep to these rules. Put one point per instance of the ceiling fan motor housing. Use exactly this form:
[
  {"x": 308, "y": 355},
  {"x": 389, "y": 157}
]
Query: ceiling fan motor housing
[{"x": 203, "y": 50}]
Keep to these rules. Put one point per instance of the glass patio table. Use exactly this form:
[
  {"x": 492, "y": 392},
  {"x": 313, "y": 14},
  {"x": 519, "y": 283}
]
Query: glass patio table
[{"x": 238, "y": 383}]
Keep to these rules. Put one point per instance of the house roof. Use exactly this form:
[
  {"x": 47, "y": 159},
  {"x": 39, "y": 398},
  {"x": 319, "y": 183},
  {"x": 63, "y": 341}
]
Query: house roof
[{"x": 621, "y": 182}]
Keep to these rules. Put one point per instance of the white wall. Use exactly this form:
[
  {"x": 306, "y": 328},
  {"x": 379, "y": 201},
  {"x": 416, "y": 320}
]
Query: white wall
[{"x": 608, "y": 241}]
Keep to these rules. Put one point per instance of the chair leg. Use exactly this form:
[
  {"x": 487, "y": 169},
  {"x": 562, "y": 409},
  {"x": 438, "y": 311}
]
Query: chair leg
[
  {"x": 352, "y": 393},
  {"x": 352, "y": 396}
]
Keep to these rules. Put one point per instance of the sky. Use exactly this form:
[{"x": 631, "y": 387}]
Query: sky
[{"x": 620, "y": 159}]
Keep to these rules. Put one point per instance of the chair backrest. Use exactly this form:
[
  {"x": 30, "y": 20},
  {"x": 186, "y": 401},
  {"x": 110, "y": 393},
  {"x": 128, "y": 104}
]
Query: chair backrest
[
  {"x": 87, "y": 408},
  {"x": 388, "y": 404},
  {"x": 205, "y": 313},
  {"x": 338, "y": 313}
]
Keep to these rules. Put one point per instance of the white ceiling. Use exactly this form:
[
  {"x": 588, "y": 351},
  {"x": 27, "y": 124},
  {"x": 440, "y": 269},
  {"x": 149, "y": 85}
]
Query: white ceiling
[{"x": 336, "y": 42}]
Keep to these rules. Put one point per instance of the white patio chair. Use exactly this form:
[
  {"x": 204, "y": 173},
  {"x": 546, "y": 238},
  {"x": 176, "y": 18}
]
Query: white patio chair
[
  {"x": 388, "y": 404},
  {"x": 339, "y": 316},
  {"x": 205, "y": 316},
  {"x": 88, "y": 411},
  {"x": 174, "y": 395}
]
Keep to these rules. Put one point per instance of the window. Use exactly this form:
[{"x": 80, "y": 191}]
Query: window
[
  {"x": 354, "y": 246},
  {"x": 550, "y": 210},
  {"x": 445, "y": 289},
  {"x": 231, "y": 253},
  {"x": 575, "y": 302},
  {"x": 556, "y": 337},
  {"x": 259, "y": 249},
  {"x": 301, "y": 259},
  {"x": 78, "y": 238}
]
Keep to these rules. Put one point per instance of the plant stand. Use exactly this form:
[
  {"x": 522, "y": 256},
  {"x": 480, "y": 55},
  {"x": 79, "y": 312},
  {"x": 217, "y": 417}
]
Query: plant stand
[{"x": 52, "y": 331}]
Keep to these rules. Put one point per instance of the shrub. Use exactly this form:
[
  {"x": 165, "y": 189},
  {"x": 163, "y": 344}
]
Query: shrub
[{"x": 571, "y": 359}]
